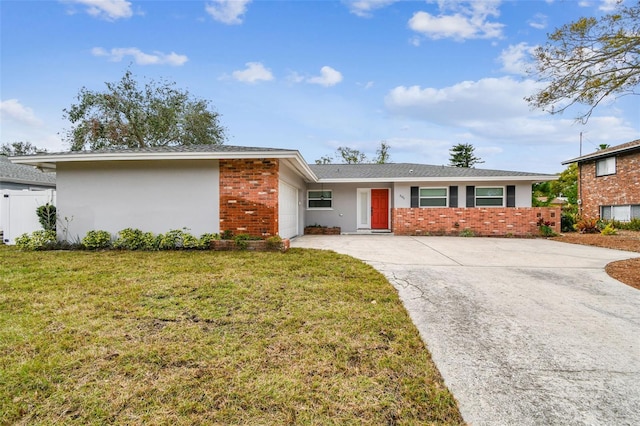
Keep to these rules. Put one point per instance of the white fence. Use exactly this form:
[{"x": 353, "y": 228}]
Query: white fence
[{"x": 18, "y": 211}]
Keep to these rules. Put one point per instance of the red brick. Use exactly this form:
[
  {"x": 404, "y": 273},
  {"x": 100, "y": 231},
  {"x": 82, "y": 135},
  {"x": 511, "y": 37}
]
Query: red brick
[
  {"x": 611, "y": 190},
  {"x": 483, "y": 222},
  {"x": 243, "y": 210}
]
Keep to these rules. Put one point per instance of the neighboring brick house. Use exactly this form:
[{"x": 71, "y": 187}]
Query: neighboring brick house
[
  {"x": 609, "y": 182},
  {"x": 266, "y": 191}
]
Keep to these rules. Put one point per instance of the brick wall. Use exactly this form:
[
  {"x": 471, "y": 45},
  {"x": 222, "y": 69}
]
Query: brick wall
[
  {"x": 249, "y": 196},
  {"x": 618, "y": 189},
  {"x": 482, "y": 221}
]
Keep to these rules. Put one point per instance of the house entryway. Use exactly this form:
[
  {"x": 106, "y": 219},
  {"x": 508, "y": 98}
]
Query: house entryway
[{"x": 373, "y": 209}]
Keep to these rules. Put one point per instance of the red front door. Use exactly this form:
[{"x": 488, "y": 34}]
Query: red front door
[{"x": 379, "y": 209}]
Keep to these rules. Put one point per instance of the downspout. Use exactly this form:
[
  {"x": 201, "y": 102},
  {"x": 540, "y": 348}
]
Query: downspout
[{"x": 580, "y": 180}]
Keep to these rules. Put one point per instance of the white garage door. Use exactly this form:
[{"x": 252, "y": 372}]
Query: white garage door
[{"x": 287, "y": 210}]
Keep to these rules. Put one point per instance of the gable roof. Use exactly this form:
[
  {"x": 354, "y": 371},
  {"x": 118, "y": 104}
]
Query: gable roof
[
  {"x": 407, "y": 172},
  {"x": 16, "y": 173},
  {"x": 391, "y": 172},
  {"x": 607, "y": 152},
  {"x": 185, "y": 152}
]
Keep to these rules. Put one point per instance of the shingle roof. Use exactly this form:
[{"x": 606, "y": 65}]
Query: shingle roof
[
  {"x": 618, "y": 149},
  {"x": 17, "y": 173},
  {"x": 407, "y": 171},
  {"x": 167, "y": 149}
]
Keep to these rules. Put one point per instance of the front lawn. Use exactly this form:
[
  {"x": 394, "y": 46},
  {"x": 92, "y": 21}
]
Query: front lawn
[{"x": 185, "y": 338}]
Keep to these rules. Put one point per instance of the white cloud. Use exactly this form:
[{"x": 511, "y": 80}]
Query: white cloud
[
  {"x": 13, "y": 110},
  {"x": 364, "y": 8},
  {"x": 106, "y": 9},
  {"x": 514, "y": 58},
  {"x": 469, "y": 100},
  {"x": 254, "y": 72},
  {"x": 608, "y": 5},
  {"x": 468, "y": 20},
  {"x": 539, "y": 21},
  {"x": 227, "y": 11},
  {"x": 492, "y": 112},
  {"x": 141, "y": 58},
  {"x": 328, "y": 77}
]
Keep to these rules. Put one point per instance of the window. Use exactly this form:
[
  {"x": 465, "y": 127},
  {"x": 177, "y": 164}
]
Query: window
[
  {"x": 606, "y": 166},
  {"x": 620, "y": 213},
  {"x": 433, "y": 197},
  {"x": 320, "y": 199},
  {"x": 490, "y": 197}
]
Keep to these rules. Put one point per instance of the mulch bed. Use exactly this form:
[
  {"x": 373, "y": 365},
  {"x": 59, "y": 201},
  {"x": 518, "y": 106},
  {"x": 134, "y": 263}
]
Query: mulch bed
[{"x": 626, "y": 271}]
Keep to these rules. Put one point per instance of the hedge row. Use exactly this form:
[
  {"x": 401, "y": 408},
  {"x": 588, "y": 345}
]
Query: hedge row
[{"x": 127, "y": 239}]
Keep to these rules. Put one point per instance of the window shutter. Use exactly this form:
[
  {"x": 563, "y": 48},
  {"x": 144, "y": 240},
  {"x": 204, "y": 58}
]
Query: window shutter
[
  {"x": 511, "y": 195},
  {"x": 471, "y": 196},
  {"x": 453, "y": 196},
  {"x": 415, "y": 197}
]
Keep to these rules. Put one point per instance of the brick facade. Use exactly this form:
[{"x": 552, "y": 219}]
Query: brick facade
[
  {"x": 482, "y": 221},
  {"x": 621, "y": 188},
  {"x": 249, "y": 196}
]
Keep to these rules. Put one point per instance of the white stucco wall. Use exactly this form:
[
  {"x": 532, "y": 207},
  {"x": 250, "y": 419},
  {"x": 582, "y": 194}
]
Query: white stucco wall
[{"x": 155, "y": 196}]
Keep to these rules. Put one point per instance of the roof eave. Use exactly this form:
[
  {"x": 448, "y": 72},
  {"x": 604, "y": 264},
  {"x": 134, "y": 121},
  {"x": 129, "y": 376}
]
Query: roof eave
[
  {"x": 49, "y": 162},
  {"x": 29, "y": 182},
  {"x": 532, "y": 178},
  {"x": 597, "y": 155}
]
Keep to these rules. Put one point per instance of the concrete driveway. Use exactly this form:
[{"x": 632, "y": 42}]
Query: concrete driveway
[{"x": 524, "y": 332}]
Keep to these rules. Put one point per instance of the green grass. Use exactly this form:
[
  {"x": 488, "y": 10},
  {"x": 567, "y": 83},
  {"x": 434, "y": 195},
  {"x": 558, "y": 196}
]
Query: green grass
[{"x": 184, "y": 338}]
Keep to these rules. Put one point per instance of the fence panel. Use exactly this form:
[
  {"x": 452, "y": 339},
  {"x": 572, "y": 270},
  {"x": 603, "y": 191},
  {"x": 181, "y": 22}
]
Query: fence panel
[{"x": 18, "y": 211}]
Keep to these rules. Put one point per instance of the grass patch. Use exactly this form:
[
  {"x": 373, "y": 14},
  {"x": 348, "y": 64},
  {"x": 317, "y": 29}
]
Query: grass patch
[{"x": 182, "y": 338}]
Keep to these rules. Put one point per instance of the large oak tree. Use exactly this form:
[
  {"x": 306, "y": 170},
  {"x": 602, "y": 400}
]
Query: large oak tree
[
  {"x": 128, "y": 116},
  {"x": 589, "y": 60}
]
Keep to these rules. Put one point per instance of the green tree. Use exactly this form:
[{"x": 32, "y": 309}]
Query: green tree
[
  {"x": 128, "y": 116},
  {"x": 346, "y": 155},
  {"x": 351, "y": 156},
  {"x": 382, "y": 153},
  {"x": 462, "y": 155},
  {"x": 325, "y": 159},
  {"x": 20, "y": 148},
  {"x": 588, "y": 60},
  {"x": 567, "y": 185}
]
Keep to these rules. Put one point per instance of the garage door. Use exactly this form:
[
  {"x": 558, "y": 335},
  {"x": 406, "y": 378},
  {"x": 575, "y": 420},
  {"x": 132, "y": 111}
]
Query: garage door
[{"x": 287, "y": 210}]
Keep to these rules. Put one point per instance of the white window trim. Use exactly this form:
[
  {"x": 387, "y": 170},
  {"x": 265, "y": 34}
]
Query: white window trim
[
  {"x": 607, "y": 172},
  {"x": 446, "y": 197},
  {"x": 504, "y": 195},
  {"x": 319, "y": 190},
  {"x": 613, "y": 208}
]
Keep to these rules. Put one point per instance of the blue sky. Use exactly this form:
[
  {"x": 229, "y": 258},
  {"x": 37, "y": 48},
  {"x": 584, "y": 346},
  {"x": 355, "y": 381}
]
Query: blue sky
[{"x": 313, "y": 75}]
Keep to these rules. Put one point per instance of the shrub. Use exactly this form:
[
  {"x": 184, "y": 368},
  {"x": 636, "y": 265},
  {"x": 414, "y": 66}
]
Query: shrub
[
  {"x": 545, "y": 229},
  {"x": 177, "y": 239},
  {"x": 38, "y": 240},
  {"x": 632, "y": 225},
  {"x": 205, "y": 240},
  {"x": 467, "y": 233},
  {"x": 609, "y": 230},
  {"x": 274, "y": 242},
  {"x": 567, "y": 222},
  {"x": 242, "y": 240},
  {"x": 227, "y": 235},
  {"x": 587, "y": 226},
  {"x": 96, "y": 240},
  {"x": 135, "y": 239},
  {"x": 47, "y": 216}
]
